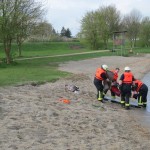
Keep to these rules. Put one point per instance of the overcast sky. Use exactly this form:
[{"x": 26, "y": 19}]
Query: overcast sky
[{"x": 68, "y": 13}]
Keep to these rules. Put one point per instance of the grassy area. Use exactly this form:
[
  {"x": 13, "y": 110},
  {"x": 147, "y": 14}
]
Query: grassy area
[
  {"x": 46, "y": 48},
  {"x": 43, "y": 69}
]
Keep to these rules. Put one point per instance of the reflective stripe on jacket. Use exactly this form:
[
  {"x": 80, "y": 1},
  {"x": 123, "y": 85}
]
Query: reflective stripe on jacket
[
  {"x": 139, "y": 84},
  {"x": 127, "y": 78},
  {"x": 98, "y": 73}
]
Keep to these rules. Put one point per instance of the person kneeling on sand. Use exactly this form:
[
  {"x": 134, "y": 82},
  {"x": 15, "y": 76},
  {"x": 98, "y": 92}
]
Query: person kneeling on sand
[
  {"x": 99, "y": 79},
  {"x": 125, "y": 84},
  {"x": 141, "y": 90}
]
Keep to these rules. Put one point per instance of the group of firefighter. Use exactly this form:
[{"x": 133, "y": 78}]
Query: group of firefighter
[{"x": 128, "y": 86}]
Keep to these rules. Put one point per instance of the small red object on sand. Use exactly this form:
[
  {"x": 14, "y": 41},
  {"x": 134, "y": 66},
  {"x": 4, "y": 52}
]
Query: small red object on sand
[{"x": 66, "y": 101}]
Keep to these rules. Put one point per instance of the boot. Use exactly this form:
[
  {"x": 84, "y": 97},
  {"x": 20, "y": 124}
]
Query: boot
[
  {"x": 122, "y": 103},
  {"x": 99, "y": 97},
  {"x": 140, "y": 104},
  {"x": 127, "y": 107}
]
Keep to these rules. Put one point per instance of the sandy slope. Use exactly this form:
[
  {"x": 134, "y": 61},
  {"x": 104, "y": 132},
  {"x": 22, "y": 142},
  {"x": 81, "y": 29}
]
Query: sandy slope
[{"x": 35, "y": 118}]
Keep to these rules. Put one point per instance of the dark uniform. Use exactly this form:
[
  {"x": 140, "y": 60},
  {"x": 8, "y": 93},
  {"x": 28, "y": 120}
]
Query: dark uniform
[
  {"x": 142, "y": 91},
  {"x": 100, "y": 76},
  {"x": 127, "y": 79}
]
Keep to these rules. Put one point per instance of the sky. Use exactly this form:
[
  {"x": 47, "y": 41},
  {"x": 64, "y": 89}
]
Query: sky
[{"x": 68, "y": 13}]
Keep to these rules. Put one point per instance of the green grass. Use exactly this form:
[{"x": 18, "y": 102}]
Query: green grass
[
  {"x": 38, "y": 70},
  {"x": 45, "y": 49},
  {"x": 141, "y": 50},
  {"x": 44, "y": 69},
  {"x": 18, "y": 75}
]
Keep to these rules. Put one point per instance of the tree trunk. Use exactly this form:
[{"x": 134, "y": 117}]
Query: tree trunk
[
  {"x": 19, "y": 44},
  {"x": 105, "y": 43},
  {"x": 19, "y": 50},
  {"x": 7, "y": 48}
]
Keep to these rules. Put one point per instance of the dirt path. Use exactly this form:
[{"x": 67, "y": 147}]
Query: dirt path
[
  {"x": 35, "y": 118},
  {"x": 20, "y": 59}
]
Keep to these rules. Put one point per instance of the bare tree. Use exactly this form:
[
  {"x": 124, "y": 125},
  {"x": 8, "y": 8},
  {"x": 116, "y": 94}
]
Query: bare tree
[
  {"x": 29, "y": 12},
  {"x": 16, "y": 16},
  {"x": 43, "y": 31},
  {"x": 131, "y": 23}
]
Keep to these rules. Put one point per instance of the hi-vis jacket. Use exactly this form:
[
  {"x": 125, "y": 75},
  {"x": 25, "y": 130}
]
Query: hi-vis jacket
[
  {"x": 128, "y": 77},
  {"x": 138, "y": 83},
  {"x": 98, "y": 73}
]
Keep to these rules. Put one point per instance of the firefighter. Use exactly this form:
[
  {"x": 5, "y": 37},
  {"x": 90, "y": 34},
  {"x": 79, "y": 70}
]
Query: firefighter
[
  {"x": 142, "y": 91},
  {"x": 100, "y": 77},
  {"x": 114, "y": 82},
  {"x": 125, "y": 85}
]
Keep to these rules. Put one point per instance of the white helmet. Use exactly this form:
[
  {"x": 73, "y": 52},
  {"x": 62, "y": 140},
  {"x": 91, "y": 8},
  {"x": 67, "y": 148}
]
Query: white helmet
[
  {"x": 105, "y": 67},
  {"x": 127, "y": 69}
]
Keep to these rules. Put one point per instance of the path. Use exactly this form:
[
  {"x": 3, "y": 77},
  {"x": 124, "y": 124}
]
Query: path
[{"x": 99, "y": 51}]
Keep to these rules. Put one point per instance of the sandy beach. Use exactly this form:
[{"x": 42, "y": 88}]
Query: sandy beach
[{"x": 36, "y": 118}]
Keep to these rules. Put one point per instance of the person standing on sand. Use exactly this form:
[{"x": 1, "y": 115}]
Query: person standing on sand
[
  {"x": 125, "y": 84},
  {"x": 142, "y": 90},
  {"x": 100, "y": 77}
]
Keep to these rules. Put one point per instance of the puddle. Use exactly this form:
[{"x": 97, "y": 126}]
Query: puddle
[{"x": 146, "y": 80}]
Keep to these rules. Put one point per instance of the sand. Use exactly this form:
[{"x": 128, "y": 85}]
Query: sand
[{"x": 36, "y": 118}]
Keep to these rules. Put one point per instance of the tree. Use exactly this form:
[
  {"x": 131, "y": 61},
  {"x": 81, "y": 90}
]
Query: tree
[
  {"x": 29, "y": 13},
  {"x": 63, "y": 32},
  {"x": 145, "y": 31},
  {"x": 108, "y": 20},
  {"x": 88, "y": 29},
  {"x": 43, "y": 30},
  {"x": 131, "y": 23},
  {"x": 16, "y": 17},
  {"x": 68, "y": 33},
  {"x": 99, "y": 25},
  {"x": 54, "y": 31}
]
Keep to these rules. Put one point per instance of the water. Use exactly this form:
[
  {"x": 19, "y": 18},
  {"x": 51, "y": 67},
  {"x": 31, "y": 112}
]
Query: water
[
  {"x": 143, "y": 115},
  {"x": 146, "y": 80}
]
